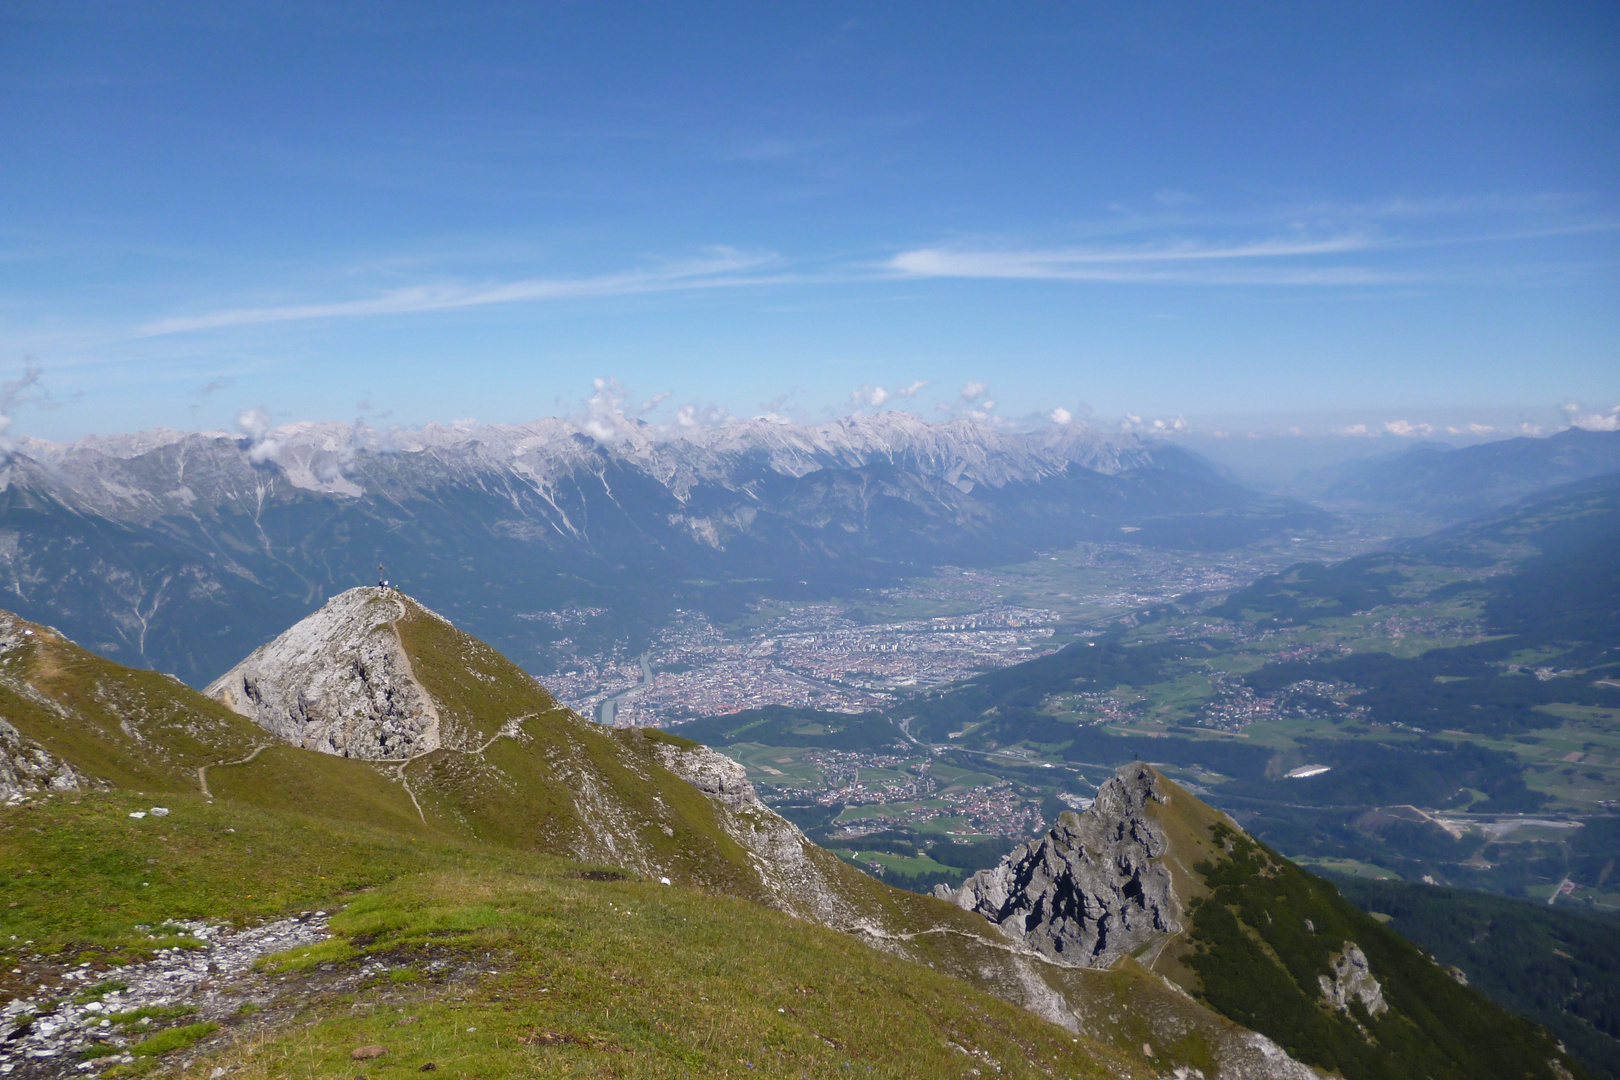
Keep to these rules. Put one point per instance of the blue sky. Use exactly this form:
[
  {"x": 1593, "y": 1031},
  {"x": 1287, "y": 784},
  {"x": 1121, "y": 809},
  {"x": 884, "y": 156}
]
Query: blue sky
[{"x": 1321, "y": 214}]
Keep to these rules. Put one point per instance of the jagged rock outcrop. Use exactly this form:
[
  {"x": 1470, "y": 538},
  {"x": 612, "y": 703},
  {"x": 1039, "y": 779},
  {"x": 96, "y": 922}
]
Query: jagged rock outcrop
[
  {"x": 1353, "y": 981},
  {"x": 1092, "y": 890},
  {"x": 27, "y": 767},
  {"x": 339, "y": 682},
  {"x": 784, "y": 858},
  {"x": 712, "y": 773}
]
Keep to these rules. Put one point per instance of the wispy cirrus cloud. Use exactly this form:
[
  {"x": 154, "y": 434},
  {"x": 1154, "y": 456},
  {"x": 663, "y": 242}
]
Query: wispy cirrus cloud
[
  {"x": 725, "y": 268},
  {"x": 1398, "y": 240},
  {"x": 1255, "y": 262}
]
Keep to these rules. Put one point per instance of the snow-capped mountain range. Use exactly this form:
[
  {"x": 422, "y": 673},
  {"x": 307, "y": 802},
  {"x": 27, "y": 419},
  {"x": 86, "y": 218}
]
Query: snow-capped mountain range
[
  {"x": 121, "y": 539},
  {"x": 322, "y": 457}
]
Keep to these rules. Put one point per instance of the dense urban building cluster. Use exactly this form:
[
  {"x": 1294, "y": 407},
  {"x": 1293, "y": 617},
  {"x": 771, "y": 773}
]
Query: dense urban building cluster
[{"x": 807, "y": 656}]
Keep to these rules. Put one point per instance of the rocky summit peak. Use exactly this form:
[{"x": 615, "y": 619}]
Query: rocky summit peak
[
  {"x": 339, "y": 681},
  {"x": 1094, "y": 888}
]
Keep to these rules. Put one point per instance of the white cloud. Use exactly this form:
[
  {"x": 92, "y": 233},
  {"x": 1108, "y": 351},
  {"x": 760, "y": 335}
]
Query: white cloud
[
  {"x": 1601, "y": 420},
  {"x": 1355, "y": 429},
  {"x": 14, "y": 393},
  {"x": 1407, "y": 430},
  {"x": 652, "y": 403},
  {"x": 910, "y": 391},
  {"x": 868, "y": 396},
  {"x": 688, "y": 417},
  {"x": 1478, "y": 430},
  {"x": 1060, "y": 415},
  {"x": 725, "y": 268},
  {"x": 1178, "y": 263},
  {"x": 1173, "y": 426},
  {"x": 255, "y": 427},
  {"x": 603, "y": 418},
  {"x": 973, "y": 403}
]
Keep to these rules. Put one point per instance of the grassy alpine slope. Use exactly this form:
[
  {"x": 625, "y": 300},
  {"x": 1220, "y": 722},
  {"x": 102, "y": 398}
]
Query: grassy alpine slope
[
  {"x": 552, "y": 972},
  {"x": 286, "y": 830},
  {"x": 1559, "y": 965},
  {"x": 464, "y": 896},
  {"x": 1267, "y": 931},
  {"x": 1264, "y": 941}
]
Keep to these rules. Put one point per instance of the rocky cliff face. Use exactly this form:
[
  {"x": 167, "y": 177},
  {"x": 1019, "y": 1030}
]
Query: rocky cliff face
[
  {"x": 1093, "y": 889},
  {"x": 338, "y": 682},
  {"x": 792, "y": 870}
]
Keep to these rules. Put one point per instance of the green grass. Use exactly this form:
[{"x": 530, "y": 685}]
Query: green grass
[
  {"x": 1350, "y": 868},
  {"x": 98, "y": 991},
  {"x": 332, "y": 950},
  {"x": 83, "y": 873},
  {"x": 170, "y": 1039},
  {"x": 138, "y": 729},
  {"x": 911, "y": 866},
  {"x": 152, "y": 1012},
  {"x": 635, "y": 979}
]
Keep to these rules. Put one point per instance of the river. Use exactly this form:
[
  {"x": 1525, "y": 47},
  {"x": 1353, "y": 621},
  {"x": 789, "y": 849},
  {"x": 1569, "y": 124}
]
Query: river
[{"x": 606, "y": 710}]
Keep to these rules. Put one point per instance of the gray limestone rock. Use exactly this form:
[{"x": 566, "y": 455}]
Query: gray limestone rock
[
  {"x": 712, "y": 773},
  {"x": 201, "y": 977},
  {"x": 779, "y": 853},
  {"x": 339, "y": 682},
  {"x": 1353, "y": 981},
  {"x": 1092, "y": 890},
  {"x": 27, "y": 767}
]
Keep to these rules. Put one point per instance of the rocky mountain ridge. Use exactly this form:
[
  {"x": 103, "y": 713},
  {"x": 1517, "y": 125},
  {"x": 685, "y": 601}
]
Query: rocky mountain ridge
[
  {"x": 1092, "y": 889},
  {"x": 1150, "y": 876},
  {"x": 184, "y": 551},
  {"x": 322, "y": 456}
]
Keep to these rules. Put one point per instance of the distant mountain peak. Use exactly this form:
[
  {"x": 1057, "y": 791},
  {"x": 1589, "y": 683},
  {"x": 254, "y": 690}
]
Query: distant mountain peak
[{"x": 132, "y": 543}]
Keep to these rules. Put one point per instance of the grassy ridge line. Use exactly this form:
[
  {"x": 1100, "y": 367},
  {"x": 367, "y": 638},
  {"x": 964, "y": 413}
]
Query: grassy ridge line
[
  {"x": 141, "y": 730},
  {"x": 1559, "y": 966},
  {"x": 1266, "y": 931},
  {"x": 527, "y": 792},
  {"x": 631, "y": 977},
  {"x": 123, "y": 726}
]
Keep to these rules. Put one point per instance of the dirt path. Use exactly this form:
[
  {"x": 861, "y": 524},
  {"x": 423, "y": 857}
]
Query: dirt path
[{"x": 202, "y": 770}]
